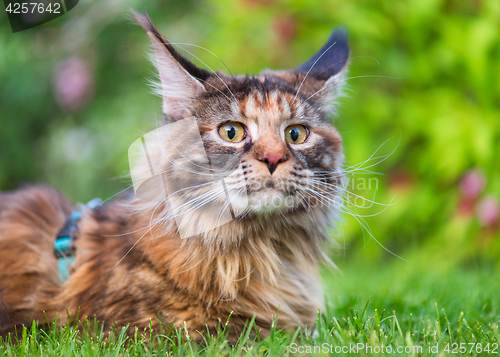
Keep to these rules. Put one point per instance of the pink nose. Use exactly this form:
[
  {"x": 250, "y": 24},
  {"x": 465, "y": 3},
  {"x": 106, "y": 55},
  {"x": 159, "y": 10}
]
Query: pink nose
[{"x": 272, "y": 161}]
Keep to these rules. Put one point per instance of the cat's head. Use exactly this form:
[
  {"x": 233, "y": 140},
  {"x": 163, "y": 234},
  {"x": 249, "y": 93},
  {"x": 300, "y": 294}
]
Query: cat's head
[{"x": 270, "y": 132}]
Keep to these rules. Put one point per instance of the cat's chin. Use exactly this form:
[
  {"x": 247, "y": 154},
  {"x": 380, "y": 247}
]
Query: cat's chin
[{"x": 269, "y": 201}]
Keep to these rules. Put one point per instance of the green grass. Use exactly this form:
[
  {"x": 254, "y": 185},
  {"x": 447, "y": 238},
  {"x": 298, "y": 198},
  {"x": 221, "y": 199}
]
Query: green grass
[{"x": 397, "y": 305}]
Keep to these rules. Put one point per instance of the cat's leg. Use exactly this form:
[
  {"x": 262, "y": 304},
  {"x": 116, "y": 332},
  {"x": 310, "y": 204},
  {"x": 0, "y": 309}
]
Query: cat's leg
[{"x": 29, "y": 222}]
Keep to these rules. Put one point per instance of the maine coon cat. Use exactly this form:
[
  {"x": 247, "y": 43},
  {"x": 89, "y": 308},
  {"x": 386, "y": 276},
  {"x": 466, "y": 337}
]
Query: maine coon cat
[{"x": 139, "y": 259}]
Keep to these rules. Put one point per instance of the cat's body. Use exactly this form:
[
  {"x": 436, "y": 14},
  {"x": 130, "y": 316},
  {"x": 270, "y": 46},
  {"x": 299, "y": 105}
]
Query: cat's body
[{"x": 131, "y": 263}]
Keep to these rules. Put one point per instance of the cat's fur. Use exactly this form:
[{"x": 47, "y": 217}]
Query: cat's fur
[{"x": 131, "y": 265}]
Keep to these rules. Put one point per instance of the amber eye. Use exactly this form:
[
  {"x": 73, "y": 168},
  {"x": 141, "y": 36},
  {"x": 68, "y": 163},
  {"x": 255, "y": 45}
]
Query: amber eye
[
  {"x": 296, "y": 134},
  {"x": 232, "y": 131}
]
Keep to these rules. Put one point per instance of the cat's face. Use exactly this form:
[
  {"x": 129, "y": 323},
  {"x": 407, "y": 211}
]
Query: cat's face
[
  {"x": 268, "y": 137},
  {"x": 279, "y": 138}
]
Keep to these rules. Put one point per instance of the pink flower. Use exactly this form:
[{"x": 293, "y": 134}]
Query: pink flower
[
  {"x": 472, "y": 184},
  {"x": 488, "y": 211},
  {"x": 72, "y": 83},
  {"x": 285, "y": 27}
]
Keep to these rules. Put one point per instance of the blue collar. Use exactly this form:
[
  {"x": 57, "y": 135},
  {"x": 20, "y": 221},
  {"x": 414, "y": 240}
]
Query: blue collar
[{"x": 64, "y": 247}]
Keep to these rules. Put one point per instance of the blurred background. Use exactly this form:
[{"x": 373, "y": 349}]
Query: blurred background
[{"x": 420, "y": 119}]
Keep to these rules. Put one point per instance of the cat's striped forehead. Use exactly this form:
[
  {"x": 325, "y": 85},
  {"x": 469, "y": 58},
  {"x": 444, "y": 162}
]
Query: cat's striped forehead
[
  {"x": 260, "y": 100},
  {"x": 273, "y": 106},
  {"x": 268, "y": 110}
]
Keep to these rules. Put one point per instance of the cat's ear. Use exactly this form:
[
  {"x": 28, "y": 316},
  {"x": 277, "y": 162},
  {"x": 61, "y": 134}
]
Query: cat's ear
[
  {"x": 181, "y": 80},
  {"x": 328, "y": 66},
  {"x": 321, "y": 78},
  {"x": 331, "y": 59}
]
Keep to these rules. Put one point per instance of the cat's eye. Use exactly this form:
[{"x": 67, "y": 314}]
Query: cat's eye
[
  {"x": 296, "y": 134},
  {"x": 232, "y": 131}
]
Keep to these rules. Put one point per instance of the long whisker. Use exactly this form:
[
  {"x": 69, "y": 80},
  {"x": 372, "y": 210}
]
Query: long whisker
[
  {"x": 310, "y": 69},
  {"x": 173, "y": 161},
  {"x": 228, "y": 202},
  {"x": 204, "y": 198},
  {"x": 346, "y": 79},
  {"x": 350, "y": 59},
  {"x": 203, "y": 48},
  {"x": 133, "y": 246},
  {"x": 360, "y": 220},
  {"x": 207, "y": 200},
  {"x": 335, "y": 187},
  {"x": 375, "y": 239},
  {"x": 236, "y": 100},
  {"x": 163, "y": 201}
]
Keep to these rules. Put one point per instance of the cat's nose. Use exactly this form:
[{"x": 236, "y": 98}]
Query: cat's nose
[{"x": 272, "y": 161}]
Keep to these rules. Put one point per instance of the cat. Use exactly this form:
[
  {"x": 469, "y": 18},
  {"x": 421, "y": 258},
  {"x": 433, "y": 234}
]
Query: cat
[{"x": 137, "y": 263}]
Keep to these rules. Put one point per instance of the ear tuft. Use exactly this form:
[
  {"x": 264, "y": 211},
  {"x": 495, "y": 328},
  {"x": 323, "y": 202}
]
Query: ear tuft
[
  {"x": 331, "y": 58},
  {"x": 180, "y": 79},
  {"x": 145, "y": 22}
]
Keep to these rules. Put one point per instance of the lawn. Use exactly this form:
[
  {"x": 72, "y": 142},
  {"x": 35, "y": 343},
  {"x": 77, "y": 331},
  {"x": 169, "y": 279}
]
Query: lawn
[{"x": 395, "y": 309}]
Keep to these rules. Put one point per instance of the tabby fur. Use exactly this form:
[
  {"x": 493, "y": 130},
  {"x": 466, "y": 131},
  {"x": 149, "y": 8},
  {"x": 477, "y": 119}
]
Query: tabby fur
[{"x": 131, "y": 266}]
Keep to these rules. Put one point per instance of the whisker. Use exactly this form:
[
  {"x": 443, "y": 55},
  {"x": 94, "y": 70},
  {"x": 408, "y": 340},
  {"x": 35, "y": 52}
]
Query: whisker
[
  {"x": 173, "y": 161},
  {"x": 204, "y": 198},
  {"x": 203, "y": 48},
  {"x": 236, "y": 100},
  {"x": 378, "y": 242},
  {"x": 163, "y": 201},
  {"x": 345, "y": 79},
  {"x": 360, "y": 220},
  {"x": 350, "y": 59},
  {"x": 133, "y": 246},
  {"x": 310, "y": 69}
]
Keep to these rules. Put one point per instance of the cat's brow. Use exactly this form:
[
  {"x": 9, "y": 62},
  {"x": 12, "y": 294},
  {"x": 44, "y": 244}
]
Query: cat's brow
[{"x": 270, "y": 107}]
